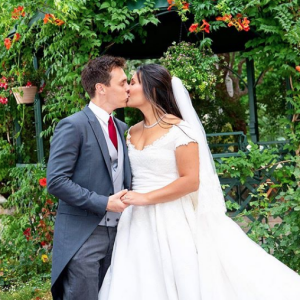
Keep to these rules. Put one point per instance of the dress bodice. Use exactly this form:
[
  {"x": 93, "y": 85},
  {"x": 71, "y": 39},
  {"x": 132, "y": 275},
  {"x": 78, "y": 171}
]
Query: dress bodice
[{"x": 155, "y": 166}]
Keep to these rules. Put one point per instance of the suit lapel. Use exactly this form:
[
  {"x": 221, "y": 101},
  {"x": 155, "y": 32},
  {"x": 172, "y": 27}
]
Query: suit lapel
[
  {"x": 97, "y": 129},
  {"x": 127, "y": 172}
]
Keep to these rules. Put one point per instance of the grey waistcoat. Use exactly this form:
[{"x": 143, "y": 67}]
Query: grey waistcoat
[{"x": 117, "y": 169}]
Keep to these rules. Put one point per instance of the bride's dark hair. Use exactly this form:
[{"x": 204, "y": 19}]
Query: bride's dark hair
[{"x": 157, "y": 87}]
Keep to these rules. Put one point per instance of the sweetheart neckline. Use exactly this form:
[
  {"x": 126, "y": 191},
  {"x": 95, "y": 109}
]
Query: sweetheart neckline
[{"x": 153, "y": 143}]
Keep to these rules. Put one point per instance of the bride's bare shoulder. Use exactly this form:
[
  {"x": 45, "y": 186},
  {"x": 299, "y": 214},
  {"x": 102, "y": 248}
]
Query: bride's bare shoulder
[
  {"x": 136, "y": 128},
  {"x": 171, "y": 119}
]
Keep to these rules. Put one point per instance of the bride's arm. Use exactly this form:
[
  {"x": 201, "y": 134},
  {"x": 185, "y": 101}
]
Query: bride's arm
[{"x": 187, "y": 159}]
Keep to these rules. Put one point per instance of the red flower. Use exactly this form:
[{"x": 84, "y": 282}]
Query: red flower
[
  {"x": 7, "y": 43},
  {"x": 43, "y": 182},
  {"x": 48, "y": 201},
  {"x": 193, "y": 27},
  {"x": 206, "y": 26},
  {"x": 3, "y": 100},
  {"x": 298, "y": 68},
  {"x": 27, "y": 233},
  {"x": 17, "y": 37},
  {"x": 28, "y": 84},
  {"x": 3, "y": 83},
  {"x": 43, "y": 244}
]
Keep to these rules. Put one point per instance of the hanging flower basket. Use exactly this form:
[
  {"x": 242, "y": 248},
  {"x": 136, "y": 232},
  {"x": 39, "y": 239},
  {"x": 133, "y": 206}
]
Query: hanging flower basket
[{"x": 24, "y": 94}]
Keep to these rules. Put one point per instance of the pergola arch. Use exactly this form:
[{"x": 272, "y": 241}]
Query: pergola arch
[
  {"x": 172, "y": 29},
  {"x": 159, "y": 37}
]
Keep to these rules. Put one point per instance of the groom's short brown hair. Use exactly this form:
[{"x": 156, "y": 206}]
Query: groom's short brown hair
[{"x": 98, "y": 71}]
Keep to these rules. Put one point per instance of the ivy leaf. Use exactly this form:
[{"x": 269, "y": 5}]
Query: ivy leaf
[{"x": 105, "y": 5}]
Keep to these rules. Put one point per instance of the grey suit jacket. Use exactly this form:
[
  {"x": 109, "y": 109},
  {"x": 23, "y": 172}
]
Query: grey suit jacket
[{"x": 79, "y": 174}]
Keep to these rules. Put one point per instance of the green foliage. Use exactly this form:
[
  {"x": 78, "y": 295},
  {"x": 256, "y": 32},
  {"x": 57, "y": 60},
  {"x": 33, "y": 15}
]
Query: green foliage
[
  {"x": 276, "y": 24},
  {"x": 277, "y": 197},
  {"x": 7, "y": 159},
  {"x": 34, "y": 289},
  {"x": 64, "y": 36},
  {"x": 283, "y": 239},
  {"x": 26, "y": 236},
  {"x": 88, "y": 30},
  {"x": 246, "y": 164}
]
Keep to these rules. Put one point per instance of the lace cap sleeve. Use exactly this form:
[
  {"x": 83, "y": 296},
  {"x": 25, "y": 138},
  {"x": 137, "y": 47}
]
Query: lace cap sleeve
[{"x": 185, "y": 135}]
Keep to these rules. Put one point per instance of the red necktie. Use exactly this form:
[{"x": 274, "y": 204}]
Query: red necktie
[{"x": 112, "y": 132}]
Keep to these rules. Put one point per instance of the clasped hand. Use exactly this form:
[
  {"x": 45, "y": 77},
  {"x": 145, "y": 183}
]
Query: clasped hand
[
  {"x": 119, "y": 201},
  {"x": 134, "y": 198}
]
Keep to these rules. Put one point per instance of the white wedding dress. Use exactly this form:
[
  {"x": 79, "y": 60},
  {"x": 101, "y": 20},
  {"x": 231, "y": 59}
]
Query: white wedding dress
[{"x": 169, "y": 252}]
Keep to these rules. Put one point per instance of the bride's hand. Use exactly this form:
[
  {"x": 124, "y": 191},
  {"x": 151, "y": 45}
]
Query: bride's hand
[{"x": 134, "y": 198}]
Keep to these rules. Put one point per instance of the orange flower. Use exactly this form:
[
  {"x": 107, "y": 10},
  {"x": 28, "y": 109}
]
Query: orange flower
[
  {"x": 298, "y": 68},
  {"x": 17, "y": 37},
  {"x": 43, "y": 182},
  {"x": 193, "y": 27},
  {"x": 172, "y": 3},
  {"x": 47, "y": 17},
  {"x": 237, "y": 22},
  {"x": 7, "y": 43},
  {"x": 185, "y": 5},
  {"x": 245, "y": 24},
  {"x": 59, "y": 22},
  {"x": 17, "y": 12},
  {"x": 51, "y": 19},
  {"x": 204, "y": 27},
  {"x": 225, "y": 18}
]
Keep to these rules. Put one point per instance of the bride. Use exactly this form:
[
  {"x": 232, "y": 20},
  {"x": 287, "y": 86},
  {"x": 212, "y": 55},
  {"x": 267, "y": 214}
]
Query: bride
[{"x": 175, "y": 241}]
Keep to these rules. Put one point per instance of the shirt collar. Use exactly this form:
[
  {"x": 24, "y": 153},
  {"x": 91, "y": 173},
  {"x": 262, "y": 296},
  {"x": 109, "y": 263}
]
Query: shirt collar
[{"x": 99, "y": 112}]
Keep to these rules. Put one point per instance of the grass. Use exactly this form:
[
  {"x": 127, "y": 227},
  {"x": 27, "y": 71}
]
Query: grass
[{"x": 33, "y": 290}]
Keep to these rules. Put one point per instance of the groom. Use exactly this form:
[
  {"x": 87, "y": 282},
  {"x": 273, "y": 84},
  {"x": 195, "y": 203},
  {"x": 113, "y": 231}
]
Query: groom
[{"x": 89, "y": 171}]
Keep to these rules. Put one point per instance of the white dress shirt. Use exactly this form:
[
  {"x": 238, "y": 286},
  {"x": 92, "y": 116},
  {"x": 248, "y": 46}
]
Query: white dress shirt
[{"x": 101, "y": 115}]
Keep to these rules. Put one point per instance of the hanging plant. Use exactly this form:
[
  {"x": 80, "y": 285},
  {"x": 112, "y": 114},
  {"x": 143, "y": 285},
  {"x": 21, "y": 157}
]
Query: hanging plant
[{"x": 194, "y": 66}]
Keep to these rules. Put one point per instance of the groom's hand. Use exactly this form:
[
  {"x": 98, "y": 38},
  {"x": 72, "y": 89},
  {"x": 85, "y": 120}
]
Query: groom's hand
[{"x": 114, "y": 202}]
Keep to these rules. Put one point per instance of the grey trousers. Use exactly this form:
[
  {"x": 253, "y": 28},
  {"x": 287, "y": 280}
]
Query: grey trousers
[{"x": 84, "y": 274}]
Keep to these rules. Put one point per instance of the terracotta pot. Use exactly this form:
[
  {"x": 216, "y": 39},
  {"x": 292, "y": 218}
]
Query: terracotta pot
[{"x": 24, "y": 94}]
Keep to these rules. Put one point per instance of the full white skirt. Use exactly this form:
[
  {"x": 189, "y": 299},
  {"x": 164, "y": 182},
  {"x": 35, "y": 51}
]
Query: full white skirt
[{"x": 162, "y": 252}]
